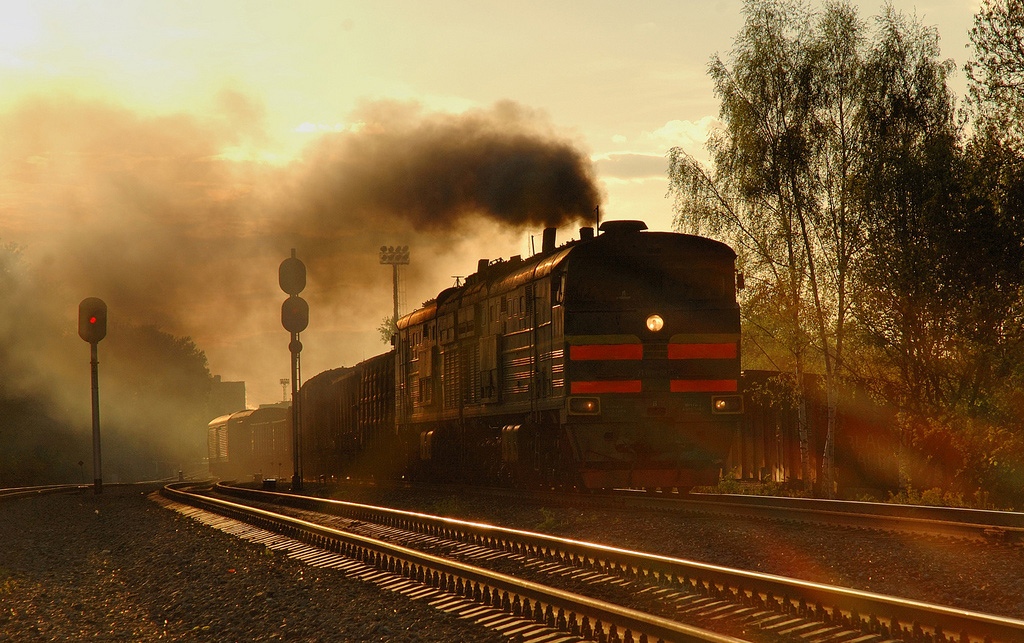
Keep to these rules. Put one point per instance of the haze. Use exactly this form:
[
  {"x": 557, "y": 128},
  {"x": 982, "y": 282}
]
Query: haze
[{"x": 166, "y": 156}]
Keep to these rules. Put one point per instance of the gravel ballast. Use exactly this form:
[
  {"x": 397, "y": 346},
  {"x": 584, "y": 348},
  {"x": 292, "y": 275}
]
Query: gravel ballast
[{"x": 118, "y": 567}]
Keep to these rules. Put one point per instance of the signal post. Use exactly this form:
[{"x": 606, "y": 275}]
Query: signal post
[
  {"x": 92, "y": 327},
  {"x": 295, "y": 319}
]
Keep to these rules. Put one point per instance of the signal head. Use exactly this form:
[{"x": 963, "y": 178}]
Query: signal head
[
  {"x": 92, "y": 319},
  {"x": 295, "y": 314}
]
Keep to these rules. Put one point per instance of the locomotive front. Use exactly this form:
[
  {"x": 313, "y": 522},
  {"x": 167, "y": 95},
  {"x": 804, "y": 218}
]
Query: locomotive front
[{"x": 651, "y": 333}]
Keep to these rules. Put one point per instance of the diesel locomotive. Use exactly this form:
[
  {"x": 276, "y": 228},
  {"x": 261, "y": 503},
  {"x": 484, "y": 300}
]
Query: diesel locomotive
[{"x": 609, "y": 361}]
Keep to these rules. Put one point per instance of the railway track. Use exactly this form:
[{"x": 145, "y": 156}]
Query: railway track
[
  {"x": 592, "y": 592},
  {"x": 954, "y": 522},
  {"x": 949, "y": 522},
  {"x": 7, "y": 493}
]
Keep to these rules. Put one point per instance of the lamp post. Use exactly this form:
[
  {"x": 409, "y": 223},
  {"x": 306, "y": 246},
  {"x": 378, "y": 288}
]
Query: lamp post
[{"x": 394, "y": 256}]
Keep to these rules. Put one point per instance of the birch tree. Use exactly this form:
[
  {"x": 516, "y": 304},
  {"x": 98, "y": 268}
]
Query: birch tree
[{"x": 780, "y": 184}]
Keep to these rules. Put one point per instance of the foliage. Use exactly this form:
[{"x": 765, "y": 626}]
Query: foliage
[
  {"x": 158, "y": 389},
  {"x": 387, "y": 328},
  {"x": 996, "y": 73},
  {"x": 880, "y": 243},
  {"x": 782, "y": 181},
  {"x": 730, "y": 485},
  {"x": 936, "y": 497}
]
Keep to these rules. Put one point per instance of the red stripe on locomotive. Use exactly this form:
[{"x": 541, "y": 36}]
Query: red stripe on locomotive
[
  {"x": 702, "y": 351},
  {"x": 606, "y": 351},
  {"x": 703, "y": 386},
  {"x": 607, "y": 386}
]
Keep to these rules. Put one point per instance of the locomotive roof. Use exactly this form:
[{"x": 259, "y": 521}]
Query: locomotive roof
[{"x": 502, "y": 275}]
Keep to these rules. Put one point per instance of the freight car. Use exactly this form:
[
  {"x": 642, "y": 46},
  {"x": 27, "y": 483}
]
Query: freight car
[
  {"x": 348, "y": 423},
  {"x": 767, "y": 448},
  {"x": 253, "y": 442},
  {"x": 611, "y": 361}
]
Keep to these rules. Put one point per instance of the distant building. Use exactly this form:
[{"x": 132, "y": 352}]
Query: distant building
[{"x": 226, "y": 397}]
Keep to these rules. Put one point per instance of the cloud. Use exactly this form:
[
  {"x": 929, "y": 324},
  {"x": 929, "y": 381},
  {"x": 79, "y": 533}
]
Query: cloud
[
  {"x": 689, "y": 135},
  {"x": 629, "y": 166},
  {"x": 685, "y": 134}
]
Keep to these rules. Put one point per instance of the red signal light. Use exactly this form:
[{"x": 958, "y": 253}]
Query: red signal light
[
  {"x": 92, "y": 320},
  {"x": 295, "y": 314}
]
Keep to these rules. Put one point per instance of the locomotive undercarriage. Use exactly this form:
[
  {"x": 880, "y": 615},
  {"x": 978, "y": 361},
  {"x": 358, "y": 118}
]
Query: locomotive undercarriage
[
  {"x": 583, "y": 453},
  {"x": 494, "y": 450},
  {"x": 653, "y": 440},
  {"x": 650, "y": 454}
]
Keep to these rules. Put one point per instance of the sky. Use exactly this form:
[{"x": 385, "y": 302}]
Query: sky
[{"x": 167, "y": 155}]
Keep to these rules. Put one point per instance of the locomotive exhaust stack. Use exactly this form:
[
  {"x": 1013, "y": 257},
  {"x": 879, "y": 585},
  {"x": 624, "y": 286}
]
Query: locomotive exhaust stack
[{"x": 549, "y": 240}]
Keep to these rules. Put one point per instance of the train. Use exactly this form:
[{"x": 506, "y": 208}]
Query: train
[
  {"x": 609, "y": 361},
  {"x": 251, "y": 442}
]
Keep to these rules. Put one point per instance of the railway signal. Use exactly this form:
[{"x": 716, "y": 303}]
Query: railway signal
[
  {"x": 295, "y": 314},
  {"x": 295, "y": 318},
  {"x": 92, "y": 327},
  {"x": 92, "y": 319},
  {"x": 292, "y": 275}
]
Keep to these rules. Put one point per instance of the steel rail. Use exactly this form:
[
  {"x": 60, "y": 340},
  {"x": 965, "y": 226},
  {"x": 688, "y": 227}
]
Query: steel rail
[
  {"x": 44, "y": 489},
  {"x": 867, "y": 611},
  {"x": 953, "y": 522},
  {"x": 556, "y": 607},
  {"x": 944, "y": 521},
  {"x": 19, "y": 492}
]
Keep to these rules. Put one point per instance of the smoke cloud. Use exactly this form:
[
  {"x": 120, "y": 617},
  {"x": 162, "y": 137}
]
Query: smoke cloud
[
  {"x": 434, "y": 171},
  {"x": 178, "y": 225}
]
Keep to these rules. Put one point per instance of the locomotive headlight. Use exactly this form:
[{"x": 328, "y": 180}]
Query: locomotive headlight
[
  {"x": 655, "y": 323},
  {"x": 584, "y": 406},
  {"x": 731, "y": 404}
]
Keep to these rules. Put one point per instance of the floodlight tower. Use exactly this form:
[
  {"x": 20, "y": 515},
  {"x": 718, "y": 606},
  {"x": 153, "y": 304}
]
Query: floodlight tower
[{"x": 394, "y": 256}]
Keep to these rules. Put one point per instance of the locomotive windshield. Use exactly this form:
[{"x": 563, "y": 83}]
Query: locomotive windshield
[{"x": 628, "y": 281}]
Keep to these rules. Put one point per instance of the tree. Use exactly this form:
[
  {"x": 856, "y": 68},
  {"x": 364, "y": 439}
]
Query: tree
[
  {"x": 907, "y": 184},
  {"x": 158, "y": 394},
  {"x": 996, "y": 73},
  {"x": 942, "y": 279},
  {"x": 780, "y": 189},
  {"x": 154, "y": 389},
  {"x": 387, "y": 329}
]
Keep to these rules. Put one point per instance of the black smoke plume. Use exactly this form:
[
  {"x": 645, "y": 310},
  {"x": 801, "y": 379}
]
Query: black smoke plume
[{"x": 434, "y": 171}]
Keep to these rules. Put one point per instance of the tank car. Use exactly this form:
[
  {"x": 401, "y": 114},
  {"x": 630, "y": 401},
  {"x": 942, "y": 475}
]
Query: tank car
[{"x": 611, "y": 361}]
